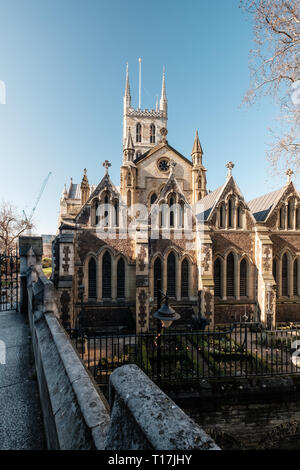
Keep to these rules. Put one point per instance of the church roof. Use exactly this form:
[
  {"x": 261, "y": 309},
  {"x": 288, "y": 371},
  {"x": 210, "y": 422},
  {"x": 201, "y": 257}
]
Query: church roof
[
  {"x": 75, "y": 191},
  {"x": 208, "y": 202},
  {"x": 157, "y": 147},
  {"x": 261, "y": 206}
]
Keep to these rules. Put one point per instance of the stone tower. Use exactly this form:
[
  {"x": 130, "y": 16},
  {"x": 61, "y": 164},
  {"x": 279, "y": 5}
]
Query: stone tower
[{"x": 145, "y": 124}]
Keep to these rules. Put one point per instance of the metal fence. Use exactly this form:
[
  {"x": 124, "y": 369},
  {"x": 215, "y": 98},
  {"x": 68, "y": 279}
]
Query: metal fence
[
  {"x": 9, "y": 282},
  {"x": 246, "y": 349}
]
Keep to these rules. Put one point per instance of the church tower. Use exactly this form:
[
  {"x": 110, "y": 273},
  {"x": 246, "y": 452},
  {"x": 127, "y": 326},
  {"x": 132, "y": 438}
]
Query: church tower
[
  {"x": 198, "y": 171},
  {"x": 145, "y": 124}
]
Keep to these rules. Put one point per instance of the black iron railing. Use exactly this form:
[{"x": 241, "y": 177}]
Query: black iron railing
[
  {"x": 9, "y": 282},
  {"x": 245, "y": 349}
]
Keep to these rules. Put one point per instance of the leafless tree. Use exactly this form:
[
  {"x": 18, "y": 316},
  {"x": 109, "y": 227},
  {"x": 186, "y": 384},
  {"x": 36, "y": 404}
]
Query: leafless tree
[
  {"x": 275, "y": 71},
  {"x": 12, "y": 225}
]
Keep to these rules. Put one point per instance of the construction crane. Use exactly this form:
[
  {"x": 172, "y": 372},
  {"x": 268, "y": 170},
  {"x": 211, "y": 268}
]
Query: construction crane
[{"x": 28, "y": 219}]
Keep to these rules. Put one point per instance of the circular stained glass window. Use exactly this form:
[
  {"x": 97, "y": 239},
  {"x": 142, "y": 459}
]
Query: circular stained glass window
[{"x": 164, "y": 164}]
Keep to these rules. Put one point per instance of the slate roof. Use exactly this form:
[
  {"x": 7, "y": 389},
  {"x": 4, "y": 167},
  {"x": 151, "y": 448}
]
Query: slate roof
[
  {"x": 261, "y": 206},
  {"x": 208, "y": 202},
  {"x": 75, "y": 191}
]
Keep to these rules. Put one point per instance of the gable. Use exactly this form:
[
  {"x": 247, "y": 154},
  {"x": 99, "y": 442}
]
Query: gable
[{"x": 148, "y": 171}]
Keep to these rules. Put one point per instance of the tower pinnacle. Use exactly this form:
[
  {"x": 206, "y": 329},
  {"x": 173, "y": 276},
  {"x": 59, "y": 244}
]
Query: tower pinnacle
[{"x": 163, "y": 104}]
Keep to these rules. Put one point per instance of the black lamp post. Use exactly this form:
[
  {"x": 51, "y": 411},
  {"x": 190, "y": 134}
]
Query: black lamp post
[{"x": 165, "y": 315}]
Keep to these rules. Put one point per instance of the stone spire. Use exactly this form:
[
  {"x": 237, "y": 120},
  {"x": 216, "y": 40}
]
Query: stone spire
[
  {"x": 128, "y": 147},
  {"x": 163, "y": 104},
  {"x": 85, "y": 188},
  {"x": 127, "y": 96},
  {"x": 197, "y": 151}
]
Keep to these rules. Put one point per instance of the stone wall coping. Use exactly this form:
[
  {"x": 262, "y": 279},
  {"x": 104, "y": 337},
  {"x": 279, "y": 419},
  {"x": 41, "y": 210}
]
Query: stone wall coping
[
  {"x": 92, "y": 405},
  {"x": 159, "y": 420}
]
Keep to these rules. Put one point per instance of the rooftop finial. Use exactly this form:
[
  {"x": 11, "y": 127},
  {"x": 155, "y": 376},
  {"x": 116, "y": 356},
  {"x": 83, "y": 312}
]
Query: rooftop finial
[
  {"x": 106, "y": 165},
  {"x": 163, "y": 99},
  {"x": 289, "y": 174},
  {"x": 229, "y": 166}
]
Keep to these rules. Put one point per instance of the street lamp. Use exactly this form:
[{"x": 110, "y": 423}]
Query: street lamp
[{"x": 165, "y": 315}]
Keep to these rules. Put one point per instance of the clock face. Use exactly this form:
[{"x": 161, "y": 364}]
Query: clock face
[{"x": 164, "y": 164}]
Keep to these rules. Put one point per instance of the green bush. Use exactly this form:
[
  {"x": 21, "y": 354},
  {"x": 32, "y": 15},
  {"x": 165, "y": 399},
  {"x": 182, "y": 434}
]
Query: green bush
[{"x": 47, "y": 263}]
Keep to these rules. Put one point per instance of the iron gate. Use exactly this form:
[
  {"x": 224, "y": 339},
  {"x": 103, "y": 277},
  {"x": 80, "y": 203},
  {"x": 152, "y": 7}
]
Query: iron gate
[{"x": 9, "y": 282}]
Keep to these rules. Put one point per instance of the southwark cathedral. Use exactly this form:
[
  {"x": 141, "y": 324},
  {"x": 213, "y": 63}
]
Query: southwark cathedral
[{"x": 216, "y": 254}]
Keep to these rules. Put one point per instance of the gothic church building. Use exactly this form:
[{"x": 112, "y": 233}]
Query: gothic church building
[{"x": 239, "y": 258}]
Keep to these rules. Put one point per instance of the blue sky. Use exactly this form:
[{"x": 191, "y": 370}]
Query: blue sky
[{"x": 63, "y": 63}]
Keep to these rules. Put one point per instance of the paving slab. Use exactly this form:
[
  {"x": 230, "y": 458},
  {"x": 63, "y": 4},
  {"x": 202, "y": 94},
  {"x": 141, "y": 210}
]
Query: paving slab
[{"x": 21, "y": 423}]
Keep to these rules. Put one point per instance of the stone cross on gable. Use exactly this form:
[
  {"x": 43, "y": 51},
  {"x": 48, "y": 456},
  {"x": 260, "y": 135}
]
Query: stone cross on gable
[
  {"x": 106, "y": 165},
  {"x": 229, "y": 166},
  {"x": 289, "y": 174}
]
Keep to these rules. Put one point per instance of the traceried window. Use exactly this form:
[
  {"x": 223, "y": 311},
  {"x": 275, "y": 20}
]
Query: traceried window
[
  {"x": 106, "y": 211},
  {"x": 138, "y": 132},
  {"x": 157, "y": 274},
  {"x": 96, "y": 209},
  {"x": 185, "y": 278},
  {"x": 171, "y": 275},
  {"x": 92, "y": 279},
  {"x": 243, "y": 278},
  {"x": 217, "y": 277},
  {"x": 284, "y": 276},
  {"x": 106, "y": 276},
  {"x": 274, "y": 271},
  {"x": 121, "y": 279},
  {"x": 230, "y": 275},
  {"x": 152, "y": 134}
]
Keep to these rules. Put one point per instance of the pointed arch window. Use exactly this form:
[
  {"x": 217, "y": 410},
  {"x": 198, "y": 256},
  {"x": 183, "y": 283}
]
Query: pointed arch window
[
  {"x": 157, "y": 274},
  {"x": 171, "y": 204},
  {"x": 284, "y": 276},
  {"x": 230, "y": 215},
  {"x": 153, "y": 198},
  {"x": 230, "y": 275},
  {"x": 121, "y": 279},
  {"x": 290, "y": 214},
  {"x": 106, "y": 211},
  {"x": 217, "y": 277},
  {"x": 243, "y": 278},
  {"x": 185, "y": 278},
  {"x": 281, "y": 217},
  {"x": 222, "y": 216},
  {"x": 295, "y": 277},
  {"x": 171, "y": 275},
  {"x": 274, "y": 271},
  {"x": 106, "y": 276},
  {"x": 138, "y": 132},
  {"x": 92, "y": 279},
  {"x": 116, "y": 218},
  {"x": 128, "y": 198},
  {"x": 152, "y": 134},
  {"x": 96, "y": 209},
  {"x": 239, "y": 217}
]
